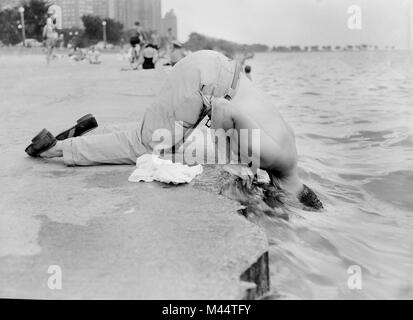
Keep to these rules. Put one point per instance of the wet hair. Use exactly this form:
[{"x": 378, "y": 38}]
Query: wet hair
[
  {"x": 247, "y": 69},
  {"x": 308, "y": 198},
  {"x": 257, "y": 200}
]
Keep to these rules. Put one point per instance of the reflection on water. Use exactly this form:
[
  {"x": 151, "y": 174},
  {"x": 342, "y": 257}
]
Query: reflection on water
[{"x": 353, "y": 117}]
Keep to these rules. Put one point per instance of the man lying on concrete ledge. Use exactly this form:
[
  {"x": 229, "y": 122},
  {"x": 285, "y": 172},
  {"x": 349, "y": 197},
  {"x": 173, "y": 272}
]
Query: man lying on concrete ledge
[{"x": 234, "y": 103}]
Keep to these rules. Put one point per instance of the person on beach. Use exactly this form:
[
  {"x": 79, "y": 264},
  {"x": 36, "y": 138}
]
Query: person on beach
[
  {"x": 50, "y": 34},
  {"x": 169, "y": 42},
  {"x": 156, "y": 40},
  {"x": 170, "y": 38},
  {"x": 136, "y": 41},
  {"x": 148, "y": 57},
  {"x": 205, "y": 83},
  {"x": 247, "y": 71},
  {"x": 177, "y": 53},
  {"x": 93, "y": 56}
]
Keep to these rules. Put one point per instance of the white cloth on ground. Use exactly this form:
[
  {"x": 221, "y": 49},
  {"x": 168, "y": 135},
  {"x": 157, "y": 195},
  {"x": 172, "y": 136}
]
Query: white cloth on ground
[{"x": 151, "y": 168}]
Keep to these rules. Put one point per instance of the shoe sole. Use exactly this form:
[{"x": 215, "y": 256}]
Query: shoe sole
[{"x": 86, "y": 117}]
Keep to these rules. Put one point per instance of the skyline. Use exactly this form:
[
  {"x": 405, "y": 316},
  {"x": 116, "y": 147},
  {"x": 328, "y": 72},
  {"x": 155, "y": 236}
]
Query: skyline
[
  {"x": 148, "y": 12},
  {"x": 127, "y": 12},
  {"x": 294, "y": 22}
]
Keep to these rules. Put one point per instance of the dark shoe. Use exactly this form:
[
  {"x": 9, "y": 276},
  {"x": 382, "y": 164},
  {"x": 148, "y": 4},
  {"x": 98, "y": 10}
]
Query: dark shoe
[
  {"x": 308, "y": 198},
  {"x": 84, "y": 125},
  {"x": 43, "y": 142}
]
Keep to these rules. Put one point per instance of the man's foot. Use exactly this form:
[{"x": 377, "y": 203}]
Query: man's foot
[
  {"x": 54, "y": 152},
  {"x": 83, "y": 125},
  {"x": 308, "y": 198}
]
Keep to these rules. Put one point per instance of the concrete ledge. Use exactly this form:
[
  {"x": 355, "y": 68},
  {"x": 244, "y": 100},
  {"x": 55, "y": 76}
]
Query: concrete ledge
[
  {"x": 111, "y": 239},
  {"x": 116, "y": 240},
  {"x": 258, "y": 273}
]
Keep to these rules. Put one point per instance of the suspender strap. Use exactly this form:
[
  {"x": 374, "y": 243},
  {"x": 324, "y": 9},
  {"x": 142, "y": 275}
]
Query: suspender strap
[
  {"x": 229, "y": 95},
  {"x": 233, "y": 89}
]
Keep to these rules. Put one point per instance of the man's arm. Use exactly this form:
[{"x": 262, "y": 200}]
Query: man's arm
[
  {"x": 222, "y": 119},
  {"x": 222, "y": 114}
]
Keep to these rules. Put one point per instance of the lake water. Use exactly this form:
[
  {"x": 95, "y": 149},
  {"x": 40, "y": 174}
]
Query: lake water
[{"x": 353, "y": 116}]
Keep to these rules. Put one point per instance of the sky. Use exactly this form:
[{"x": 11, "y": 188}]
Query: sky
[{"x": 294, "y": 22}]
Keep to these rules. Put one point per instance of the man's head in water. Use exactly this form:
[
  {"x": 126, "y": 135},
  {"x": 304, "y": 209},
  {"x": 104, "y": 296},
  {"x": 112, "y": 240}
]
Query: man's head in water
[{"x": 292, "y": 185}]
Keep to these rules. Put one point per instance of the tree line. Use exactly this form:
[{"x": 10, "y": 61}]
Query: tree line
[
  {"x": 35, "y": 16},
  {"x": 199, "y": 41}
]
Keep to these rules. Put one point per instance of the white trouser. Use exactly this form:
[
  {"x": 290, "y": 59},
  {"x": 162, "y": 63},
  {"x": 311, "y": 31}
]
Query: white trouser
[{"x": 179, "y": 104}]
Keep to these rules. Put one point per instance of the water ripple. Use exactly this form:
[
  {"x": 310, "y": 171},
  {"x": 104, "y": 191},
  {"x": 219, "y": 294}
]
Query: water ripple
[{"x": 356, "y": 150}]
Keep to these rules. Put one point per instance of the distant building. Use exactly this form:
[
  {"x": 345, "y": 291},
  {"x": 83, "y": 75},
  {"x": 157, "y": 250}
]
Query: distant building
[
  {"x": 73, "y": 10},
  {"x": 170, "y": 22},
  {"x": 112, "y": 8},
  {"x": 127, "y": 12},
  {"x": 147, "y": 12},
  {"x": 101, "y": 8},
  {"x": 150, "y": 14}
]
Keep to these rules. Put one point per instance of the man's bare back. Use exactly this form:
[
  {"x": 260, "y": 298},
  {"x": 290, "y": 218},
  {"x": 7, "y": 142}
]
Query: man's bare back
[{"x": 251, "y": 109}]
